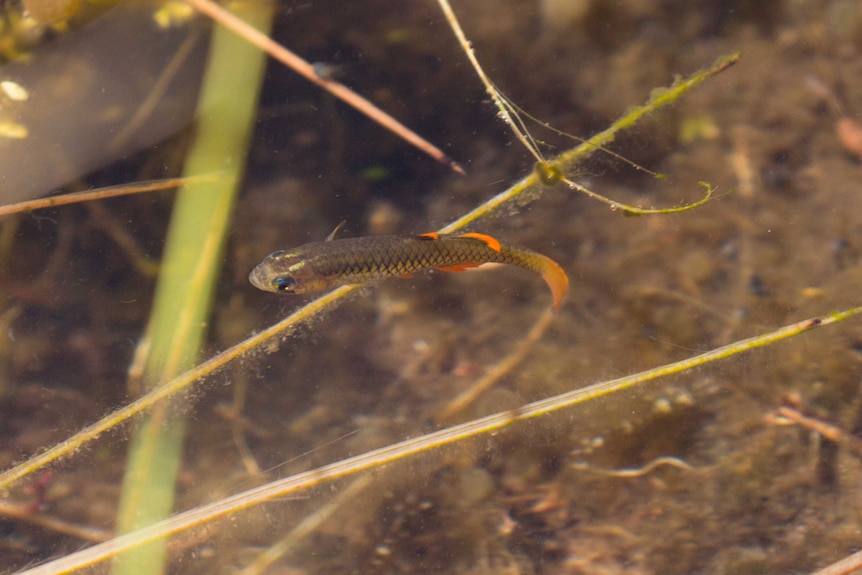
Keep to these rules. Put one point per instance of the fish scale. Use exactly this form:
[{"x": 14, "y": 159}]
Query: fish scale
[{"x": 322, "y": 265}]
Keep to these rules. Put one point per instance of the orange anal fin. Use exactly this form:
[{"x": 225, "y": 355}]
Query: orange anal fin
[
  {"x": 406, "y": 276},
  {"x": 459, "y": 267},
  {"x": 491, "y": 242}
]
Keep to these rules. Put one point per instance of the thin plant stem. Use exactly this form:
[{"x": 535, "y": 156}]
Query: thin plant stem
[{"x": 100, "y": 194}]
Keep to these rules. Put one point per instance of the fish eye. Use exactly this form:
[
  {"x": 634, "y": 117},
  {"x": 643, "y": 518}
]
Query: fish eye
[{"x": 284, "y": 283}]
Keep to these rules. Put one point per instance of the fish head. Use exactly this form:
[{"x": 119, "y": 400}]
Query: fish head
[{"x": 286, "y": 272}]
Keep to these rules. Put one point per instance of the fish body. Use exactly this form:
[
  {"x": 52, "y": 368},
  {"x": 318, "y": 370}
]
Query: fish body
[{"x": 352, "y": 261}]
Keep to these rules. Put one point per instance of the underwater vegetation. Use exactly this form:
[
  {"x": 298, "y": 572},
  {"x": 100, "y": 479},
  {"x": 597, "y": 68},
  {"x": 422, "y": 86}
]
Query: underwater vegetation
[{"x": 451, "y": 423}]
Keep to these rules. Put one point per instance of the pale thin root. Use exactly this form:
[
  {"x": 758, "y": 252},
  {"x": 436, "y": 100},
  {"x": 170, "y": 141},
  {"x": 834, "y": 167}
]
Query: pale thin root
[{"x": 639, "y": 471}]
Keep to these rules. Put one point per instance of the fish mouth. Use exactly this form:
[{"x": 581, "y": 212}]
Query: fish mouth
[{"x": 257, "y": 277}]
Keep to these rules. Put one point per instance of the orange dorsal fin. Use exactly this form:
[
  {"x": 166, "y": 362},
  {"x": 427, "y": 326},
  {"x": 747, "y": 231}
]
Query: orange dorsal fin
[
  {"x": 429, "y": 236},
  {"x": 491, "y": 242}
]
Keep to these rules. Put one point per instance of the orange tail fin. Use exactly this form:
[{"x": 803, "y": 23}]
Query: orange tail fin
[{"x": 556, "y": 279}]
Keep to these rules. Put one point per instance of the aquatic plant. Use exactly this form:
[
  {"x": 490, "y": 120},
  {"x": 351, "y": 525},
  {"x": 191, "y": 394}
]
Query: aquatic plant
[{"x": 403, "y": 513}]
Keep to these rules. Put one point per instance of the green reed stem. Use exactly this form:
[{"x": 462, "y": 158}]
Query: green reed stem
[{"x": 192, "y": 259}]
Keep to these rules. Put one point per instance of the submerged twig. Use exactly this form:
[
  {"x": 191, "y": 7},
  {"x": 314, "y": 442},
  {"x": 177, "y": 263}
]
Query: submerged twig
[
  {"x": 850, "y": 564},
  {"x": 101, "y": 194},
  {"x": 827, "y": 430},
  {"x": 297, "y": 64},
  {"x": 26, "y": 514}
]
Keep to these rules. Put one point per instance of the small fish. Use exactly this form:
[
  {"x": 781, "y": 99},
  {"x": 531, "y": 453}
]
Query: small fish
[{"x": 323, "y": 265}]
